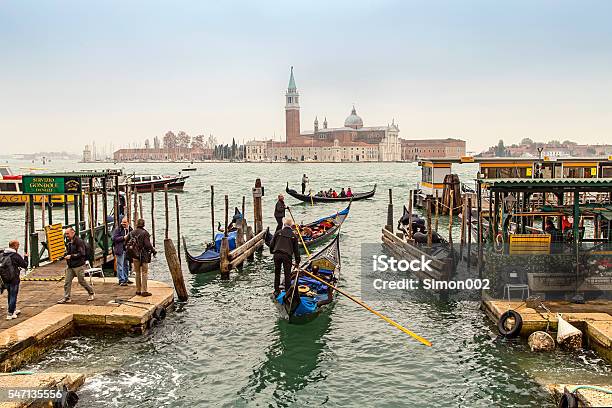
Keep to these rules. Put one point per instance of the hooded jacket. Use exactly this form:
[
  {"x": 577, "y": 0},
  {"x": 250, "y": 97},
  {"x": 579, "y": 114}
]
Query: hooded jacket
[{"x": 285, "y": 242}]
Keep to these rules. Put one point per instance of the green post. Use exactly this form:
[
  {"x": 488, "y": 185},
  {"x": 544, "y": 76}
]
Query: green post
[
  {"x": 576, "y": 215},
  {"x": 66, "y": 220},
  {"x": 33, "y": 243},
  {"x": 77, "y": 205},
  {"x": 49, "y": 209},
  {"x": 105, "y": 215}
]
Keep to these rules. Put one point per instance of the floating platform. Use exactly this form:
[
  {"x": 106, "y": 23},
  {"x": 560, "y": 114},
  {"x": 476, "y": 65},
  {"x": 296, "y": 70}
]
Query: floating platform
[
  {"x": 49, "y": 381},
  {"x": 43, "y": 322},
  {"x": 593, "y": 318}
]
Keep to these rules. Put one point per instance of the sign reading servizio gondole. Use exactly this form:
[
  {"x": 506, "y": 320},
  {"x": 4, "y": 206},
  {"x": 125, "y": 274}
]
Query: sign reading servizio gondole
[{"x": 51, "y": 185}]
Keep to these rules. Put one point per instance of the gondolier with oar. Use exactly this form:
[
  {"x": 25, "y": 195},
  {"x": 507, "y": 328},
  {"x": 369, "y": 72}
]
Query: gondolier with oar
[
  {"x": 304, "y": 182},
  {"x": 284, "y": 246}
]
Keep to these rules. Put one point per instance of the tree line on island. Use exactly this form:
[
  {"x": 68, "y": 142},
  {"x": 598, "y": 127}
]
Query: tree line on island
[{"x": 183, "y": 140}]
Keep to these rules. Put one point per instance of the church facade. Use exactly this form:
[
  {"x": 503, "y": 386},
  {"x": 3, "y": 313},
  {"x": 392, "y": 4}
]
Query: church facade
[{"x": 352, "y": 142}]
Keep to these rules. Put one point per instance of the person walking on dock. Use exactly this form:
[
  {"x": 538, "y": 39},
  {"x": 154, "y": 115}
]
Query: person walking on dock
[
  {"x": 279, "y": 211},
  {"x": 304, "y": 182},
  {"x": 76, "y": 256},
  {"x": 140, "y": 249},
  {"x": 284, "y": 246},
  {"x": 119, "y": 239},
  {"x": 11, "y": 264}
]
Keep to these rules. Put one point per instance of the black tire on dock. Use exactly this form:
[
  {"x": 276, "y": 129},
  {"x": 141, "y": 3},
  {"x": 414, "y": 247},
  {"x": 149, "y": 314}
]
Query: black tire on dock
[
  {"x": 515, "y": 330},
  {"x": 160, "y": 313},
  {"x": 568, "y": 401},
  {"x": 152, "y": 322}
]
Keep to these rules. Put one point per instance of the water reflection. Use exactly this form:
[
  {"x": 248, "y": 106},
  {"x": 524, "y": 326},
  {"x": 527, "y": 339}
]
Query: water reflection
[{"x": 292, "y": 361}]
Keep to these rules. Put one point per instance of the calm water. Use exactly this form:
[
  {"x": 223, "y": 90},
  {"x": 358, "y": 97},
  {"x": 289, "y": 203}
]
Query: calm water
[{"x": 227, "y": 347}]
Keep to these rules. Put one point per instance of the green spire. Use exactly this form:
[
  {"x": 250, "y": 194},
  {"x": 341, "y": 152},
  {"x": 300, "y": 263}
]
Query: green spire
[{"x": 292, "y": 86}]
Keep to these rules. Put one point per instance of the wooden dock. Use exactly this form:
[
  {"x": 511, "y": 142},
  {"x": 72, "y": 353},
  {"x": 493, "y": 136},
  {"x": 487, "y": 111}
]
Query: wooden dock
[
  {"x": 593, "y": 318},
  {"x": 43, "y": 322}
]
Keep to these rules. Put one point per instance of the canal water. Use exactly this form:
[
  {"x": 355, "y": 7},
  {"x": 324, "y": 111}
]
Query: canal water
[{"x": 227, "y": 346}]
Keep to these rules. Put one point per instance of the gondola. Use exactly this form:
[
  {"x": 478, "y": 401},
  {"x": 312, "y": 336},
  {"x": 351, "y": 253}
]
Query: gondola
[
  {"x": 319, "y": 231},
  {"x": 317, "y": 199},
  {"x": 210, "y": 259},
  {"x": 304, "y": 302}
]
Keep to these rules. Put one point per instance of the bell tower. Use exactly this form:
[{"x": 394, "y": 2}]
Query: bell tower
[{"x": 292, "y": 112}]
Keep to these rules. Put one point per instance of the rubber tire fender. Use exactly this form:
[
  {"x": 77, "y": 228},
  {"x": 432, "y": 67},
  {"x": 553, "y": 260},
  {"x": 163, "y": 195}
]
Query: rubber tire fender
[{"x": 514, "y": 331}]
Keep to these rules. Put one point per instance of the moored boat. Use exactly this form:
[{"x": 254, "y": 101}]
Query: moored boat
[
  {"x": 210, "y": 259},
  {"x": 11, "y": 191},
  {"x": 319, "y": 231},
  {"x": 307, "y": 298},
  {"x": 144, "y": 182},
  {"x": 313, "y": 198}
]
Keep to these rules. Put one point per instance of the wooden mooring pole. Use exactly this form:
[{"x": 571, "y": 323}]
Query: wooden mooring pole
[
  {"x": 224, "y": 252},
  {"x": 153, "y": 214},
  {"x": 178, "y": 226},
  {"x": 174, "y": 264},
  {"x": 212, "y": 211},
  {"x": 450, "y": 219},
  {"x": 389, "y": 225},
  {"x": 257, "y": 206},
  {"x": 437, "y": 216},
  {"x": 429, "y": 231},
  {"x": 410, "y": 198}
]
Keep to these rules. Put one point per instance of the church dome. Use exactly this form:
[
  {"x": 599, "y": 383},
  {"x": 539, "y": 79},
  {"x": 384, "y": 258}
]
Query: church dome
[{"x": 353, "y": 120}]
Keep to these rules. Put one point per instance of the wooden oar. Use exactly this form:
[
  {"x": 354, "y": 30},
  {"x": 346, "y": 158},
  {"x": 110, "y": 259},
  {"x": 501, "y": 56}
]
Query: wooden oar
[
  {"x": 297, "y": 227},
  {"x": 368, "y": 308}
]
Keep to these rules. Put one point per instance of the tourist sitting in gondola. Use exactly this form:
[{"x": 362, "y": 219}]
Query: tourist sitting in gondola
[
  {"x": 342, "y": 193},
  {"x": 349, "y": 193},
  {"x": 334, "y": 194}
]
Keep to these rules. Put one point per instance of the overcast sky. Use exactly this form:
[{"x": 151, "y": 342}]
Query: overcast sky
[{"x": 123, "y": 71}]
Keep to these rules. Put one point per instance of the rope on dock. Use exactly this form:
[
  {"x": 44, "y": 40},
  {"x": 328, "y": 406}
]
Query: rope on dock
[{"x": 49, "y": 279}]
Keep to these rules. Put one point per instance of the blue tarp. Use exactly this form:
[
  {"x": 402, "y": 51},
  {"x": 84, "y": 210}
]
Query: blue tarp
[
  {"x": 307, "y": 305},
  {"x": 231, "y": 237}
]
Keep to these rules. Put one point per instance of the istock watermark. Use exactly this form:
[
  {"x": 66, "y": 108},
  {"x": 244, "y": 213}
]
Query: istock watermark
[{"x": 456, "y": 273}]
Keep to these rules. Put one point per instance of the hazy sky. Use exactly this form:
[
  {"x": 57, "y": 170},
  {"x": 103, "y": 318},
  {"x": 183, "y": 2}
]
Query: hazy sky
[{"x": 122, "y": 71}]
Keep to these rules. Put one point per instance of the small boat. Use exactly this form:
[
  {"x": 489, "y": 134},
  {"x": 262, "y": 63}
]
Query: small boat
[
  {"x": 144, "y": 182},
  {"x": 312, "y": 198},
  {"x": 210, "y": 259},
  {"x": 320, "y": 230},
  {"x": 307, "y": 297},
  {"x": 189, "y": 169}
]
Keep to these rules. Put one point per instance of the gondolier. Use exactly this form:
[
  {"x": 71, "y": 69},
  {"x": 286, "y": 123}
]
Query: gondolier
[
  {"x": 284, "y": 246},
  {"x": 304, "y": 182},
  {"x": 279, "y": 212}
]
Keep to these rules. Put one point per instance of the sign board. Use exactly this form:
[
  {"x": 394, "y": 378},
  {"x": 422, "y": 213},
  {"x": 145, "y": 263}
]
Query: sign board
[
  {"x": 48, "y": 185},
  {"x": 258, "y": 192}
]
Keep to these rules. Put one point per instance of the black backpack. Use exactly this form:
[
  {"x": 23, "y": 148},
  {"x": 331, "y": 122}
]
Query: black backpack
[
  {"x": 8, "y": 272},
  {"x": 133, "y": 248}
]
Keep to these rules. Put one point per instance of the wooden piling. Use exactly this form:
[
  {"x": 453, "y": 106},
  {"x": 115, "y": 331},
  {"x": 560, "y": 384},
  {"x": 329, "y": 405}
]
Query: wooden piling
[
  {"x": 178, "y": 226},
  {"x": 389, "y": 225},
  {"x": 224, "y": 252},
  {"x": 257, "y": 206},
  {"x": 140, "y": 207},
  {"x": 249, "y": 236},
  {"x": 212, "y": 211},
  {"x": 174, "y": 265},
  {"x": 153, "y": 214},
  {"x": 128, "y": 202},
  {"x": 135, "y": 207},
  {"x": 240, "y": 234},
  {"x": 463, "y": 217},
  {"x": 27, "y": 224},
  {"x": 450, "y": 219},
  {"x": 437, "y": 216},
  {"x": 167, "y": 235},
  {"x": 410, "y": 199},
  {"x": 429, "y": 231}
]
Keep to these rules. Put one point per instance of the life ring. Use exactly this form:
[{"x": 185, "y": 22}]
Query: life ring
[
  {"x": 499, "y": 243},
  {"x": 514, "y": 330}
]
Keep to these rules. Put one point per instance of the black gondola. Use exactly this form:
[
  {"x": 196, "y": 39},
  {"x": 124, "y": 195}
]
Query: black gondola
[
  {"x": 312, "y": 198},
  {"x": 307, "y": 298},
  {"x": 210, "y": 259},
  {"x": 319, "y": 231}
]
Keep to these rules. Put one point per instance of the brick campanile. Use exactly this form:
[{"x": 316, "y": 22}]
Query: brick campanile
[{"x": 292, "y": 112}]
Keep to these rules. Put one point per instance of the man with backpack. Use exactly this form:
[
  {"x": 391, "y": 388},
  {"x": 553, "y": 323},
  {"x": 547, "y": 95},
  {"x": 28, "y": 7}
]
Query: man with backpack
[
  {"x": 11, "y": 264},
  {"x": 119, "y": 240},
  {"x": 76, "y": 256},
  {"x": 139, "y": 248}
]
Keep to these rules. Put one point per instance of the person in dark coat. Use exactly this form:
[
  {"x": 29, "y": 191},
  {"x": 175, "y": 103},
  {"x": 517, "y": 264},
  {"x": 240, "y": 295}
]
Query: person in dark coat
[
  {"x": 279, "y": 211},
  {"x": 123, "y": 264},
  {"x": 304, "y": 182},
  {"x": 12, "y": 287},
  {"x": 284, "y": 246},
  {"x": 141, "y": 264},
  {"x": 76, "y": 256}
]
